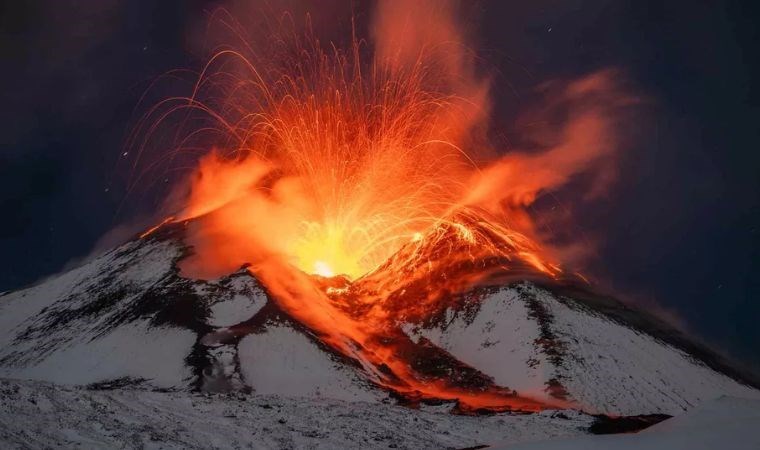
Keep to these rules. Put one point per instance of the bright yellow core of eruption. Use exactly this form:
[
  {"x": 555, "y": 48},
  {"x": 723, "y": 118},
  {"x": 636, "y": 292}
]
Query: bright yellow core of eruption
[
  {"x": 323, "y": 269},
  {"x": 328, "y": 251},
  {"x": 351, "y": 250}
]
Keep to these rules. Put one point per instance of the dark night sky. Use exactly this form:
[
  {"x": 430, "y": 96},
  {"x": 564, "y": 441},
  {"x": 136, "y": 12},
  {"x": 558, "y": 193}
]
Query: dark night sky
[{"x": 681, "y": 227}]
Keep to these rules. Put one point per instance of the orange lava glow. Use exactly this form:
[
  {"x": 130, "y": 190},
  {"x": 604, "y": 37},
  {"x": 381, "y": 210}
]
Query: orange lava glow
[
  {"x": 358, "y": 185},
  {"x": 152, "y": 229}
]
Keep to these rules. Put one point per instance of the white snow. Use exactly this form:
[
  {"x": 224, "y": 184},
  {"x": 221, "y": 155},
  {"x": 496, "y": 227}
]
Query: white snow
[
  {"x": 499, "y": 342},
  {"x": 129, "y": 351},
  {"x": 606, "y": 368},
  {"x": 22, "y": 305},
  {"x": 285, "y": 362},
  {"x": 79, "y": 353},
  {"x": 617, "y": 370},
  {"x": 244, "y": 304},
  {"x": 723, "y": 423},
  {"x": 42, "y": 415}
]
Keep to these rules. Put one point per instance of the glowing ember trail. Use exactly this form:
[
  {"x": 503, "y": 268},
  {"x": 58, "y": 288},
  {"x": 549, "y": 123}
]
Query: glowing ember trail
[
  {"x": 151, "y": 230},
  {"x": 361, "y": 192}
]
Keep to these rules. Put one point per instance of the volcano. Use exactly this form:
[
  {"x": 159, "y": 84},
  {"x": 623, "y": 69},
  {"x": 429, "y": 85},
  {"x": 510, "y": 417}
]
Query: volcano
[{"x": 129, "y": 319}]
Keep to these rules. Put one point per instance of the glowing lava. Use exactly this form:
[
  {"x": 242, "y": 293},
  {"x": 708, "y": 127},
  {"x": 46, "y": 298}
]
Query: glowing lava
[
  {"x": 322, "y": 269},
  {"x": 333, "y": 162}
]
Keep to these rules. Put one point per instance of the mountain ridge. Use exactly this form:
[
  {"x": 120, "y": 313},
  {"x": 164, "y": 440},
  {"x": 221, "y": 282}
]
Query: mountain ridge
[{"x": 100, "y": 323}]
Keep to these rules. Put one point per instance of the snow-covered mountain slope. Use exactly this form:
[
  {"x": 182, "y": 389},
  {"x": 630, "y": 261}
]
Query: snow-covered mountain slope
[
  {"x": 549, "y": 345},
  {"x": 43, "y": 415},
  {"x": 726, "y": 422},
  {"x": 106, "y": 319},
  {"x": 129, "y": 318},
  {"x": 284, "y": 361}
]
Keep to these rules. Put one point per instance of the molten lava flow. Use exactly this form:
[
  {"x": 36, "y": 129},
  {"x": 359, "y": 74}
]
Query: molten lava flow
[{"x": 374, "y": 169}]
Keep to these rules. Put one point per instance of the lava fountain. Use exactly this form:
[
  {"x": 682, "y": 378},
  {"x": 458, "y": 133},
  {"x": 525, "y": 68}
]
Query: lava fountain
[{"x": 359, "y": 187}]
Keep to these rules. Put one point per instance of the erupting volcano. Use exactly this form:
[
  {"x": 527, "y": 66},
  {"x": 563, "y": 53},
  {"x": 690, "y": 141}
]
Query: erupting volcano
[
  {"x": 367, "y": 229},
  {"x": 359, "y": 186}
]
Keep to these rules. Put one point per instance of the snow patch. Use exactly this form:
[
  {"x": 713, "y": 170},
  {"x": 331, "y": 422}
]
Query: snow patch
[
  {"x": 604, "y": 366},
  {"x": 237, "y": 309},
  {"x": 129, "y": 351},
  {"x": 499, "y": 341},
  {"x": 284, "y": 361}
]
